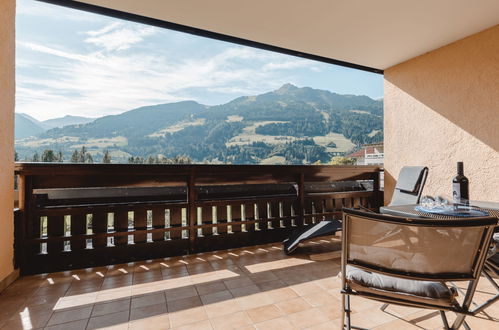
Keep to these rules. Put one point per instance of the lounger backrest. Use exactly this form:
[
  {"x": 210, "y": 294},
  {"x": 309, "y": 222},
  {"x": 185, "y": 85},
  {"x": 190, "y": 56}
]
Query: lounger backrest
[{"x": 410, "y": 184}]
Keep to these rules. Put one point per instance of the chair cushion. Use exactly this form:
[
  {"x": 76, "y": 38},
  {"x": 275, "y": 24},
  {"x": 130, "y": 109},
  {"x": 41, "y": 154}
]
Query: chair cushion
[{"x": 433, "y": 293}]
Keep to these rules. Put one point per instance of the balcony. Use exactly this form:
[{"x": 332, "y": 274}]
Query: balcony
[{"x": 74, "y": 216}]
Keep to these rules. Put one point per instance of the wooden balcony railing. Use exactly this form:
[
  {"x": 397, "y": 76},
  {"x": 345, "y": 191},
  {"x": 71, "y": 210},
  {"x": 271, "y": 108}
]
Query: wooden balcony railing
[{"x": 83, "y": 215}]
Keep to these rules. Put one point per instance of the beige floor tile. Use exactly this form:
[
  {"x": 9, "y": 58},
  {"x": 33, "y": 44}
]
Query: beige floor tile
[
  {"x": 77, "y": 301},
  {"x": 59, "y": 289},
  {"x": 200, "y": 325},
  {"x": 359, "y": 304},
  {"x": 293, "y": 305},
  {"x": 264, "y": 313},
  {"x": 37, "y": 316},
  {"x": 212, "y": 287},
  {"x": 222, "y": 308},
  {"x": 275, "y": 324},
  {"x": 231, "y": 321},
  {"x": 307, "y": 318},
  {"x": 184, "y": 304},
  {"x": 216, "y": 297},
  {"x": 255, "y": 300},
  {"x": 112, "y": 295},
  {"x": 75, "y": 325},
  {"x": 238, "y": 282},
  {"x": 332, "y": 311},
  {"x": 148, "y": 299},
  {"x": 70, "y": 315},
  {"x": 282, "y": 294},
  {"x": 398, "y": 324},
  {"x": 147, "y": 311},
  {"x": 307, "y": 288},
  {"x": 272, "y": 285},
  {"x": 371, "y": 318},
  {"x": 192, "y": 315},
  {"x": 245, "y": 290},
  {"x": 180, "y": 293},
  {"x": 322, "y": 298},
  {"x": 331, "y": 283},
  {"x": 329, "y": 325},
  {"x": 111, "y": 307},
  {"x": 116, "y": 321},
  {"x": 159, "y": 322},
  {"x": 262, "y": 277}
]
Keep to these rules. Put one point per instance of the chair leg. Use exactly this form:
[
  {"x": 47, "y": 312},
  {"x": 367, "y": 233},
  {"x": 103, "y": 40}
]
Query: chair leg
[
  {"x": 347, "y": 305},
  {"x": 444, "y": 320},
  {"x": 342, "y": 311},
  {"x": 459, "y": 321},
  {"x": 383, "y": 308}
]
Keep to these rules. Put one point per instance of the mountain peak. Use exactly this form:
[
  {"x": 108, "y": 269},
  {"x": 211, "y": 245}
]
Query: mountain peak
[{"x": 286, "y": 88}]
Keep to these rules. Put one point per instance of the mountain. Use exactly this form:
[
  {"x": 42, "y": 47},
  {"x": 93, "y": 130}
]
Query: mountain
[
  {"x": 289, "y": 125},
  {"x": 26, "y": 125},
  {"x": 66, "y": 120}
]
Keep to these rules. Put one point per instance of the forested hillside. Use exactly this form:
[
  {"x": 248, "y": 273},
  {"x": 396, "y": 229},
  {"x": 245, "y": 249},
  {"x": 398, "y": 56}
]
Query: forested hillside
[{"x": 290, "y": 125}]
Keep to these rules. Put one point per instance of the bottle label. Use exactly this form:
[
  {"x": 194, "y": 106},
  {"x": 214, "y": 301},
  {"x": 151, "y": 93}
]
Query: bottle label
[{"x": 456, "y": 192}]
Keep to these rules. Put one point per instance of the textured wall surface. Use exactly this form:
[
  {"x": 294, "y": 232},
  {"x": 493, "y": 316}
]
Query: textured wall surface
[
  {"x": 443, "y": 107},
  {"x": 7, "y": 91}
]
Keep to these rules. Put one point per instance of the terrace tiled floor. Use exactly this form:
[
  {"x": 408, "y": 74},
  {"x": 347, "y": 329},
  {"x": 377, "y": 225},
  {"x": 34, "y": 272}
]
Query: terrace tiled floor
[{"x": 248, "y": 288}]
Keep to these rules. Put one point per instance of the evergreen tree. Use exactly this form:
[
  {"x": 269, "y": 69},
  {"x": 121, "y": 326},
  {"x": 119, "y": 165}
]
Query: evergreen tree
[
  {"x": 36, "y": 157},
  {"x": 75, "y": 157},
  {"x": 60, "y": 157},
  {"x": 82, "y": 156},
  {"x": 107, "y": 158},
  {"x": 88, "y": 158},
  {"x": 16, "y": 156},
  {"x": 48, "y": 156}
]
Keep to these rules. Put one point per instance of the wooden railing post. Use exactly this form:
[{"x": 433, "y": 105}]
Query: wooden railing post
[
  {"x": 31, "y": 225},
  {"x": 301, "y": 199},
  {"x": 378, "y": 196},
  {"x": 191, "y": 212}
]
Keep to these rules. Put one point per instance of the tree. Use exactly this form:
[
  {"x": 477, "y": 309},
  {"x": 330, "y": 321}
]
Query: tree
[
  {"x": 340, "y": 160},
  {"x": 88, "y": 158},
  {"x": 60, "y": 157},
  {"x": 82, "y": 156},
  {"x": 48, "y": 156},
  {"x": 75, "y": 157},
  {"x": 107, "y": 158},
  {"x": 36, "y": 157},
  {"x": 16, "y": 156}
]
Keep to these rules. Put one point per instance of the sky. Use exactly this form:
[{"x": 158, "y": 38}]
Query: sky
[{"x": 71, "y": 62}]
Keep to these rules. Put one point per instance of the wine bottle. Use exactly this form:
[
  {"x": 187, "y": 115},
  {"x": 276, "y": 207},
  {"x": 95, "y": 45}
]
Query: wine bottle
[{"x": 460, "y": 192}]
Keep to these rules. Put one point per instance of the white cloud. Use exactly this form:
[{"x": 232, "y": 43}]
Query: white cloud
[
  {"x": 116, "y": 36},
  {"x": 97, "y": 83},
  {"x": 289, "y": 64},
  {"x": 117, "y": 71},
  {"x": 53, "y": 12}
]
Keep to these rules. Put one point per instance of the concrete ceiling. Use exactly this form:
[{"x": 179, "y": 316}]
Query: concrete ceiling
[{"x": 375, "y": 34}]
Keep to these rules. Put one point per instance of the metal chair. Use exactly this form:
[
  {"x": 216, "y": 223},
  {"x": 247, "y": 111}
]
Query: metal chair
[
  {"x": 409, "y": 261},
  {"x": 491, "y": 273},
  {"x": 410, "y": 184}
]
